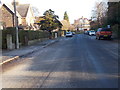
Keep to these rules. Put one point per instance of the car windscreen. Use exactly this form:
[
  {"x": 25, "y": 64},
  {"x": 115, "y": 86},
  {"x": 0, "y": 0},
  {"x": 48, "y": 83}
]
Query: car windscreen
[
  {"x": 92, "y": 31},
  {"x": 68, "y": 32}
]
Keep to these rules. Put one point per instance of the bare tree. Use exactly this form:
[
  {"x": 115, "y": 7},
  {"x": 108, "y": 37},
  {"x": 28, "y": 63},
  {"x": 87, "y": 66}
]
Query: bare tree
[{"x": 99, "y": 14}]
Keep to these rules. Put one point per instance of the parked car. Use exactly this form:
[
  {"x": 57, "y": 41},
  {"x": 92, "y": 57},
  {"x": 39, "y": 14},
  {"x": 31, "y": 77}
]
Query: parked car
[
  {"x": 103, "y": 33},
  {"x": 69, "y": 34},
  {"x": 92, "y": 32},
  {"x": 73, "y": 33}
]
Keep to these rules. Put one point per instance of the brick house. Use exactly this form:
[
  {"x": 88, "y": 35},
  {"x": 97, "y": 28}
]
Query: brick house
[
  {"x": 24, "y": 13},
  {"x": 7, "y": 16}
]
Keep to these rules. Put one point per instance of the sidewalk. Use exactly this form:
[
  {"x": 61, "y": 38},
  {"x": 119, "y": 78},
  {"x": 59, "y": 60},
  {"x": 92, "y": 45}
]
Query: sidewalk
[{"x": 8, "y": 55}]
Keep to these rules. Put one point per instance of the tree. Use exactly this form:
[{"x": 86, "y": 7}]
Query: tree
[
  {"x": 114, "y": 18},
  {"x": 50, "y": 21},
  {"x": 66, "y": 16},
  {"x": 99, "y": 15},
  {"x": 65, "y": 22},
  {"x": 113, "y": 12}
]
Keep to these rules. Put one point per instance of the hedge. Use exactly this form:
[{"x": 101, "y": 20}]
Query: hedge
[{"x": 24, "y": 36}]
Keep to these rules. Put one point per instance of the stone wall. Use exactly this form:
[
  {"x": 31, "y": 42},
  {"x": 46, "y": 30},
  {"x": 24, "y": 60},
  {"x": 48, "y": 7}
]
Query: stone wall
[{"x": 36, "y": 40}]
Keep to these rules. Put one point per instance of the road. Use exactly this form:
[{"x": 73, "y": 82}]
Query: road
[{"x": 76, "y": 62}]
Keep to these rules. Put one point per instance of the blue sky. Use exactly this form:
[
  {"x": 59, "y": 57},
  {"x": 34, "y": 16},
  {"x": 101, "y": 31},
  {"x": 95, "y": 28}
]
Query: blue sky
[{"x": 74, "y": 8}]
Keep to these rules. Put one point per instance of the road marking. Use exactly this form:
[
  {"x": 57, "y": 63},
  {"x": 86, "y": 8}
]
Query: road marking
[{"x": 8, "y": 60}]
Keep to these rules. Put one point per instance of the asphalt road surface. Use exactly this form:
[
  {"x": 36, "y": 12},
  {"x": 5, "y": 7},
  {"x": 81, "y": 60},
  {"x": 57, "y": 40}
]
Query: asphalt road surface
[{"x": 80, "y": 61}]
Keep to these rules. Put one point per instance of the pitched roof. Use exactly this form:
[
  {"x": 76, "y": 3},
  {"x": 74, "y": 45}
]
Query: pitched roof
[
  {"x": 11, "y": 8},
  {"x": 23, "y": 9}
]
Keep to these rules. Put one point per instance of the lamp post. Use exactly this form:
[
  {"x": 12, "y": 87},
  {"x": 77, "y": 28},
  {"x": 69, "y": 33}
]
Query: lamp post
[{"x": 16, "y": 26}]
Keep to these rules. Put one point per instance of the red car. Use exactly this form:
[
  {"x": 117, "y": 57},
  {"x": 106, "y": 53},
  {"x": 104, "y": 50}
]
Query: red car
[{"x": 103, "y": 33}]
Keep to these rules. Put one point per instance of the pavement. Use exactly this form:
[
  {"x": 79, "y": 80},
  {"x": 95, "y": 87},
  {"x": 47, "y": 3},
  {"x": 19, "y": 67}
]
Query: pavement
[{"x": 10, "y": 55}]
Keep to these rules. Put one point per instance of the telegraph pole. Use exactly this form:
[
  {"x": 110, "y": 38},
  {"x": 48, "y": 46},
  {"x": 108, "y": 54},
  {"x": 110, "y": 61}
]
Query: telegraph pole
[{"x": 16, "y": 26}]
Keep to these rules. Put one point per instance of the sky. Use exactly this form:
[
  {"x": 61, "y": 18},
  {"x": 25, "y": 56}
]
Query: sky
[{"x": 75, "y": 8}]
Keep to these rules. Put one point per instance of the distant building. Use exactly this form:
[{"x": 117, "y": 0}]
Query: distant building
[
  {"x": 66, "y": 25},
  {"x": 72, "y": 27},
  {"x": 82, "y": 24}
]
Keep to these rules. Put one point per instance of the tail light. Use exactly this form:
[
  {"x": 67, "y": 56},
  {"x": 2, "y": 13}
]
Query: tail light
[
  {"x": 106, "y": 32},
  {"x": 102, "y": 32},
  {"x": 110, "y": 32}
]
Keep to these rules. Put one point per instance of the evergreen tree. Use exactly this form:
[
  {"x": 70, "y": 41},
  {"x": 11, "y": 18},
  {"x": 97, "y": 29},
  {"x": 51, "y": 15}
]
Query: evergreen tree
[
  {"x": 66, "y": 16},
  {"x": 49, "y": 21}
]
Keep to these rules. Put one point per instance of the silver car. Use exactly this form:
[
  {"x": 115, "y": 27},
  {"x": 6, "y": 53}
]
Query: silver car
[
  {"x": 69, "y": 34},
  {"x": 92, "y": 33}
]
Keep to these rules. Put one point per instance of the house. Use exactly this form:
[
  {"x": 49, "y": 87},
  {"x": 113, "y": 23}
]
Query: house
[
  {"x": 24, "y": 15},
  {"x": 27, "y": 16},
  {"x": 66, "y": 25},
  {"x": 82, "y": 24},
  {"x": 7, "y": 16}
]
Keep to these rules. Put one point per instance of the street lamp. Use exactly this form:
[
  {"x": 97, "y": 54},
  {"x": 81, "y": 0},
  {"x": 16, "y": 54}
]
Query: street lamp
[{"x": 16, "y": 26}]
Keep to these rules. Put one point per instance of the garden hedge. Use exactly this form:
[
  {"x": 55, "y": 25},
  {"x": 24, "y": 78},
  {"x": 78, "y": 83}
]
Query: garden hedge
[{"x": 24, "y": 36}]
